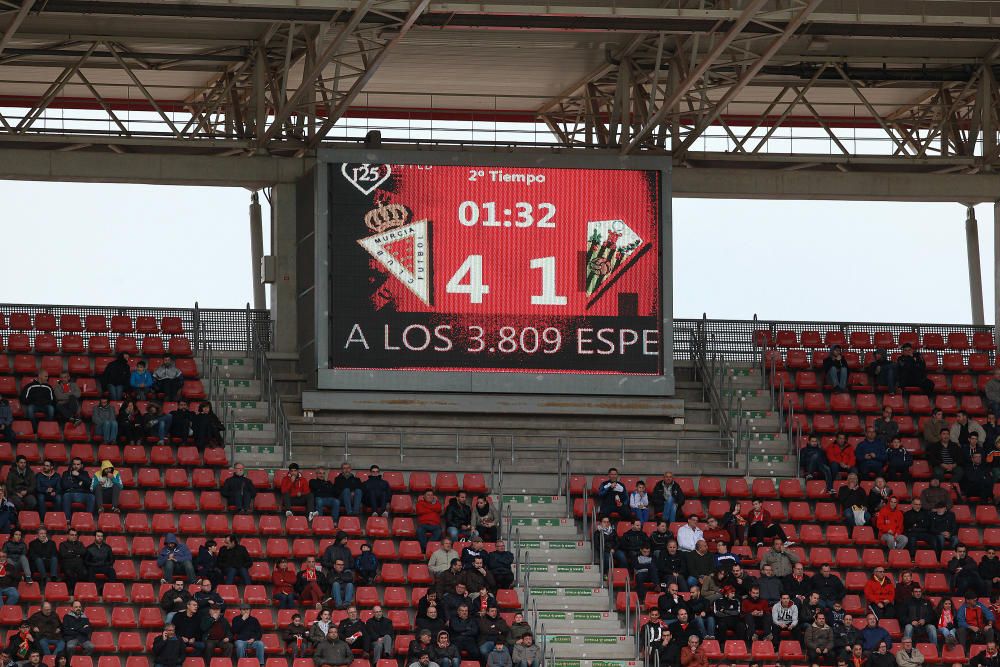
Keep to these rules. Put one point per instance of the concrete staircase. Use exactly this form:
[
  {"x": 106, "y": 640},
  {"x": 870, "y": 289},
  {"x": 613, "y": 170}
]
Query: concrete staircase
[
  {"x": 565, "y": 599},
  {"x": 769, "y": 453},
  {"x": 247, "y": 410}
]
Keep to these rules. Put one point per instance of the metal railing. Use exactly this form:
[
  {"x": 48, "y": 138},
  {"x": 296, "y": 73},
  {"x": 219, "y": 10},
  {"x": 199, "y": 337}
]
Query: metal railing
[
  {"x": 216, "y": 392},
  {"x": 269, "y": 393}
]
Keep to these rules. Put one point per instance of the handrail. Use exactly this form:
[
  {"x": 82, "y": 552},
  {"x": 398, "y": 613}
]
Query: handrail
[
  {"x": 544, "y": 645},
  {"x": 269, "y": 392}
]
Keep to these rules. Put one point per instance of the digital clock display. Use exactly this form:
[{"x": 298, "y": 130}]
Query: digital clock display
[{"x": 519, "y": 270}]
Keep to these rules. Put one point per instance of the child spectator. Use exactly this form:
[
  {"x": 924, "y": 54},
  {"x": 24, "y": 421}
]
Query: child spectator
[{"x": 639, "y": 502}]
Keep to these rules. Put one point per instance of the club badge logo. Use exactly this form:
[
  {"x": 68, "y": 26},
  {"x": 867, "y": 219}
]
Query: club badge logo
[
  {"x": 401, "y": 246},
  {"x": 612, "y": 247},
  {"x": 366, "y": 177}
]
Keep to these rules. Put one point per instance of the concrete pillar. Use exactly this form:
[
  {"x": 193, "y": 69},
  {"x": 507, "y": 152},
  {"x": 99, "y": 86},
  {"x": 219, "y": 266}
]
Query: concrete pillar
[
  {"x": 975, "y": 269},
  {"x": 256, "y": 251},
  {"x": 284, "y": 289}
]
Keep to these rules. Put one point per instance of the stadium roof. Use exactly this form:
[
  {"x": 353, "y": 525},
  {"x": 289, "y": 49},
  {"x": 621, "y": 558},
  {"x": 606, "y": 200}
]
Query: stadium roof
[{"x": 798, "y": 83}]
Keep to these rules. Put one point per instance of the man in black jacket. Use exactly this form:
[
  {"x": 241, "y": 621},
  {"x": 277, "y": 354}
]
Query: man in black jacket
[
  {"x": 206, "y": 598},
  {"x": 324, "y": 495},
  {"x": 458, "y": 517},
  {"x": 917, "y": 617},
  {"x": 964, "y": 573},
  {"x": 354, "y": 631},
  {"x": 828, "y": 585},
  {"x": 37, "y": 396},
  {"x": 21, "y": 486},
  {"x": 234, "y": 559},
  {"x": 71, "y": 553},
  {"x": 946, "y": 457},
  {"x": 632, "y": 541},
  {"x": 347, "y": 492},
  {"x": 44, "y": 556},
  {"x": 671, "y": 567},
  {"x": 944, "y": 526},
  {"x": 188, "y": 627},
  {"x": 239, "y": 491},
  {"x": 376, "y": 493},
  {"x": 99, "y": 560},
  {"x": 168, "y": 649},
  {"x": 500, "y": 563},
  {"x": 464, "y": 629},
  {"x": 76, "y": 488},
  {"x": 381, "y": 635},
  {"x": 216, "y": 633},
  {"x": 76, "y": 630},
  {"x": 917, "y": 526},
  {"x": 912, "y": 370},
  {"x": 181, "y": 421},
  {"x": 175, "y": 599}
]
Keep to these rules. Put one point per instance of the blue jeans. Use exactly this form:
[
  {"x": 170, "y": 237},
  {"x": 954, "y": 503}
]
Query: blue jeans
[
  {"x": 423, "y": 532},
  {"x": 887, "y": 376},
  {"x": 454, "y": 533},
  {"x": 705, "y": 626},
  {"x": 947, "y": 634},
  {"x": 77, "y": 497},
  {"x": 349, "y": 501},
  {"x": 108, "y": 431},
  {"x": 641, "y": 514},
  {"x": 43, "y": 498},
  {"x": 838, "y": 377},
  {"x": 486, "y": 648},
  {"x": 931, "y": 633},
  {"x": 285, "y": 600},
  {"x": 669, "y": 510},
  {"x": 256, "y": 644},
  {"x": 45, "y": 570},
  {"x": 50, "y": 413},
  {"x": 332, "y": 503},
  {"x": 140, "y": 393},
  {"x": 51, "y": 646},
  {"x": 378, "y": 502},
  {"x": 342, "y": 593},
  {"x": 9, "y": 595},
  {"x": 816, "y": 465},
  {"x": 116, "y": 391},
  {"x": 170, "y": 565},
  {"x": 231, "y": 573}
]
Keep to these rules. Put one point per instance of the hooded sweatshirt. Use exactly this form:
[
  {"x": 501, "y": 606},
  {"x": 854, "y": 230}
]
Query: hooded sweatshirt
[{"x": 179, "y": 550}]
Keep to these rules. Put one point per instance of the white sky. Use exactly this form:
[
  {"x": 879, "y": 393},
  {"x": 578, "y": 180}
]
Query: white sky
[{"x": 809, "y": 260}]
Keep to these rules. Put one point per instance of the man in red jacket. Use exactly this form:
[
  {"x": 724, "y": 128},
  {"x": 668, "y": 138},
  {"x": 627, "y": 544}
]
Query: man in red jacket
[
  {"x": 880, "y": 593},
  {"x": 428, "y": 519},
  {"x": 294, "y": 490}
]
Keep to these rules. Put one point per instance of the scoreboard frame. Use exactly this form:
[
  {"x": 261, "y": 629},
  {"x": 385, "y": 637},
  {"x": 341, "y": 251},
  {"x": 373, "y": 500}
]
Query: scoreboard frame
[{"x": 473, "y": 381}]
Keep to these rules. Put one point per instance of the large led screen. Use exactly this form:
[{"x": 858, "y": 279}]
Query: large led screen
[{"x": 514, "y": 270}]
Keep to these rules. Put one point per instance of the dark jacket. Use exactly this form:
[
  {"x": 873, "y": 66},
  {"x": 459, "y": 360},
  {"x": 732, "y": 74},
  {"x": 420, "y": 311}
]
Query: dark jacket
[
  {"x": 322, "y": 488},
  {"x": 375, "y": 486},
  {"x": 659, "y": 497},
  {"x": 79, "y": 483},
  {"x": 380, "y": 627},
  {"x": 49, "y": 627},
  {"x": 71, "y": 556},
  {"x": 946, "y": 522},
  {"x": 37, "y": 393},
  {"x": 206, "y": 623},
  {"x": 231, "y": 487},
  {"x": 343, "y": 483},
  {"x": 916, "y": 522},
  {"x": 829, "y": 588},
  {"x": 934, "y": 456},
  {"x": 117, "y": 372},
  {"x": 493, "y": 629},
  {"x": 247, "y": 629},
  {"x": 457, "y": 514},
  {"x": 916, "y": 610},
  {"x": 20, "y": 481},
  {"x": 180, "y": 424},
  {"x": 99, "y": 555},
  {"x": 44, "y": 550},
  {"x": 76, "y": 627},
  {"x": 174, "y": 600},
  {"x": 168, "y": 653},
  {"x": 357, "y": 630},
  {"x": 236, "y": 556}
]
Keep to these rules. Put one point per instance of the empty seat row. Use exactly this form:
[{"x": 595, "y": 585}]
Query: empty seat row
[
  {"x": 123, "y": 324},
  {"x": 178, "y": 346},
  {"x": 858, "y": 381},
  {"x": 956, "y": 340},
  {"x": 869, "y": 404},
  {"x": 27, "y": 365}
]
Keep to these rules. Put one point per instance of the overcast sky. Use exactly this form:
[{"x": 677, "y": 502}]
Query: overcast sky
[{"x": 805, "y": 260}]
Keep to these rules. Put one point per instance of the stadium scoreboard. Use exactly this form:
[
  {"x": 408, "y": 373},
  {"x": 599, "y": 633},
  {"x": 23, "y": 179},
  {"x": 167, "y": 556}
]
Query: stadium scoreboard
[{"x": 475, "y": 274}]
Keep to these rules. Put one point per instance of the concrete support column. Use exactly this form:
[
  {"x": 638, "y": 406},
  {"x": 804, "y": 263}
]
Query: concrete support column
[
  {"x": 975, "y": 269},
  {"x": 284, "y": 289},
  {"x": 256, "y": 251}
]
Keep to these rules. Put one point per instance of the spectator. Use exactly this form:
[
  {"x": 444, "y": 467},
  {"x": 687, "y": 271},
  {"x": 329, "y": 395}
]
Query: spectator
[
  {"x": 341, "y": 584},
  {"x": 798, "y": 586},
  {"x": 107, "y": 487},
  {"x": 988, "y": 657},
  {"x": 428, "y": 512},
  {"x": 700, "y": 563},
  {"x": 873, "y": 633},
  {"x": 883, "y": 371},
  {"x": 339, "y": 550},
  {"x": 37, "y": 396},
  {"x": 283, "y": 584},
  {"x": 493, "y": 631},
  {"x": 71, "y": 559},
  {"x": 324, "y": 494},
  {"x": 977, "y": 482},
  {"x": 853, "y": 502},
  {"x": 464, "y": 630},
  {"x": 770, "y": 585},
  {"x": 835, "y": 369},
  {"x": 130, "y": 422},
  {"x": 485, "y": 518},
  {"x": 671, "y": 567},
  {"x": 526, "y": 653},
  {"x": 499, "y": 657},
  {"x": 761, "y": 526},
  {"x": 420, "y": 648},
  {"x": 295, "y": 635},
  {"x": 294, "y": 490},
  {"x": 840, "y": 455},
  {"x": 206, "y": 563},
  {"x": 668, "y": 497},
  {"x": 67, "y": 399},
  {"x": 46, "y": 628},
  {"x": 659, "y": 538},
  {"x": 23, "y": 643},
  {"x": 6, "y": 422},
  {"x": 17, "y": 554},
  {"x": 48, "y": 489},
  {"x": 208, "y": 598},
  {"x": 248, "y": 634},
  {"x": 898, "y": 461},
  {"x": 814, "y": 462},
  {"x": 963, "y": 427},
  {"x": 975, "y": 621},
  {"x": 917, "y": 524},
  {"x": 168, "y": 649},
  {"x": 947, "y": 621},
  {"x": 935, "y": 494},
  {"x": 477, "y": 576},
  {"x": 216, "y": 633},
  {"x": 500, "y": 563},
  {"x": 645, "y": 570},
  {"x": 904, "y": 590},
  {"x": 154, "y": 424},
  {"x": 886, "y": 428},
  {"x": 946, "y": 457},
  {"x": 964, "y": 573},
  {"x": 239, "y": 491},
  {"x": 918, "y": 617},
  {"x": 912, "y": 371},
  {"x": 756, "y": 615},
  {"x": 116, "y": 376},
  {"x": 442, "y": 557},
  {"x": 880, "y": 593},
  {"x": 381, "y": 635},
  {"x": 605, "y": 544},
  {"x": 76, "y": 630},
  {"x": 21, "y": 486},
  {"x": 870, "y": 455},
  {"x": 846, "y": 637},
  {"x": 733, "y": 522},
  {"x": 443, "y": 652},
  {"x": 366, "y": 566},
  {"x": 458, "y": 517},
  {"x": 781, "y": 560},
  {"x": 728, "y": 616},
  {"x": 633, "y": 539},
  {"x": 992, "y": 430},
  {"x": 881, "y": 657},
  {"x": 612, "y": 497},
  {"x": 376, "y": 492},
  {"x": 431, "y": 622},
  {"x": 175, "y": 554},
  {"x": 44, "y": 556},
  {"x": 683, "y": 627},
  {"x": 638, "y": 502},
  {"x": 992, "y": 392},
  {"x": 944, "y": 526},
  {"x": 989, "y": 570},
  {"x": 347, "y": 491},
  {"x": 889, "y": 523},
  {"x": 141, "y": 381},
  {"x": 174, "y": 599},
  {"x": 321, "y": 626},
  {"x": 234, "y": 560},
  {"x": 785, "y": 618},
  {"x": 8, "y": 512},
  {"x": 332, "y": 650},
  {"x": 724, "y": 558},
  {"x": 818, "y": 640},
  {"x": 828, "y": 585},
  {"x": 206, "y": 427},
  {"x": 99, "y": 561},
  {"x": 76, "y": 485},
  {"x": 311, "y": 584},
  {"x": 168, "y": 379},
  {"x": 878, "y": 495},
  {"x": 181, "y": 422}
]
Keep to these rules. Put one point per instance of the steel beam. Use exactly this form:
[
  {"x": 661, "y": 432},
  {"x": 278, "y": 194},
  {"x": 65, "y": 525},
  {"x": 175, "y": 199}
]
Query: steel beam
[{"x": 22, "y": 13}]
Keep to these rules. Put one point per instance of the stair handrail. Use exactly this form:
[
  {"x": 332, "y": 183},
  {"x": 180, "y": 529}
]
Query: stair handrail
[
  {"x": 584, "y": 513},
  {"x": 628, "y": 605},
  {"x": 544, "y": 645},
  {"x": 507, "y": 515},
  {"x": 637, "y": 616},
  {"x": 517, "y": 554},
  {"x": 705, "y": 368},
  {"x": 217, "y": 395},
  {"x": 275, "y": 409}
]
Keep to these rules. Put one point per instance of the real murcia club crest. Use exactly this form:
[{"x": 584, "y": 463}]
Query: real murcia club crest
[
  {"x": 612, "y": 247},
  {"x": 402, "y": 247}
]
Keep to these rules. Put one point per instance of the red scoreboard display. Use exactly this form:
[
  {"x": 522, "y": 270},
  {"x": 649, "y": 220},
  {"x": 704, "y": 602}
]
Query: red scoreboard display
[{"x": 495, "y": 269}]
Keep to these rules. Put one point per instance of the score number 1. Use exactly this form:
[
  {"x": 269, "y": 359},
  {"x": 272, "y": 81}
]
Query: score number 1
[{"x": 472, "y": 270}]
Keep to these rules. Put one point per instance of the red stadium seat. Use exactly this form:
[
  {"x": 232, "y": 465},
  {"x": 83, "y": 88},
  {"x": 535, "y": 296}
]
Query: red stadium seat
[
  {"x": 812, "y": 339},
  {"x": 787, "y": 339},
  {"x": 933, "y": 341},
  {"x": 983, "y": 341},
  {"x": 99, "y": 345},
  {"x": 963, "y": 384}
]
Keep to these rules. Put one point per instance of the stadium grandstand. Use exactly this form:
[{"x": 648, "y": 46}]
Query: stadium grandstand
[{"x": 464, "y": 427}]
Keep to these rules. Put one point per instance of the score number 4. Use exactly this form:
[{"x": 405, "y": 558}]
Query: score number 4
[{"x": 471, "y": 272}]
